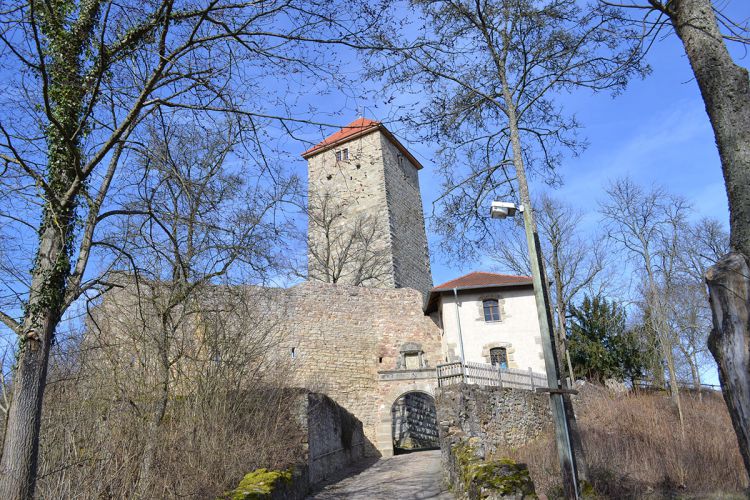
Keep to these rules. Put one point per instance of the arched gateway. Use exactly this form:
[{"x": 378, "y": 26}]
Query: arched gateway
[
  {"x": 414, "y": 423},
  {"x": 406, "y": 416}
]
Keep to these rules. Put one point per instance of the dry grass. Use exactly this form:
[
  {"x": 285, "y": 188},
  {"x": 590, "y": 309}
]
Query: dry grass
[
  {"x": 634, "y": 448},
  {"x": 92, "y": 447}
]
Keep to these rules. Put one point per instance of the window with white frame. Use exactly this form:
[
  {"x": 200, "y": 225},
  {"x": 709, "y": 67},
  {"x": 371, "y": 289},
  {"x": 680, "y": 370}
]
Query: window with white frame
[{"x": 342, "y": 154}]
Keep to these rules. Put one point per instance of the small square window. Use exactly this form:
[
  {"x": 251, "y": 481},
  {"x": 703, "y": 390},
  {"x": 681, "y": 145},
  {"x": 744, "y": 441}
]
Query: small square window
[
  {"x": 491, "y": 310},
  {"x": 342, "y": 154}
]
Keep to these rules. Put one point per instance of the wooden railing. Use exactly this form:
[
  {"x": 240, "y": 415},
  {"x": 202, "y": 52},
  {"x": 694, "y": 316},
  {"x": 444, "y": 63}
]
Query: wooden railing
[{"x": 488, "y": 375}]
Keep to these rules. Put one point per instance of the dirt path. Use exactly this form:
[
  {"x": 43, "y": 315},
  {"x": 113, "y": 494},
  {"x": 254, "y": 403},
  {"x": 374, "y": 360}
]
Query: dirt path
[{"x": 412, "y": 476}]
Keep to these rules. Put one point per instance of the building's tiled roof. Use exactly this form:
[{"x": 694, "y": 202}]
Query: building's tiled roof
[
  {"x": 472, "y": 281},
  {"x": 357, "y": 127},
  {"x": 482, "y": 279}
]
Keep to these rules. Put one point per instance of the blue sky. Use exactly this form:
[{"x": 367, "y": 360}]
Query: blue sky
[{"x": 656, "y": 131}]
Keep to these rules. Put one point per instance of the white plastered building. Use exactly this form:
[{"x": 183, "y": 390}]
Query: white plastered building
[{"x": 489, "y": 318}]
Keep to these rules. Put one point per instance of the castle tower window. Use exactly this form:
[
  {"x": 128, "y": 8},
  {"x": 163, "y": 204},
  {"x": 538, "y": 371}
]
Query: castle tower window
[
  {"x": 499, "y": 357},
  {"x": 491, "y": 310},
  {"x": 342, "y": 154}
]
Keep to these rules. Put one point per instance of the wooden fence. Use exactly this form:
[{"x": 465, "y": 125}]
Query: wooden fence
[
  {"x": 489, "y": 375},
  {"x": 645, "y": 385}
]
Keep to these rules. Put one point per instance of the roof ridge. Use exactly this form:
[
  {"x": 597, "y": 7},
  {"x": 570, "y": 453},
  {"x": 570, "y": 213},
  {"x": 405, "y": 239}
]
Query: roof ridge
[
  {"x": 359, "y": 125},
  {"x": 482, "y": 278}
]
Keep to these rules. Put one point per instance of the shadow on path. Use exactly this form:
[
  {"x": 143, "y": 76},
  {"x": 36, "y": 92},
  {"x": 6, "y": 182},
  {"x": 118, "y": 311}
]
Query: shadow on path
[{"x": 412, "y": 476}]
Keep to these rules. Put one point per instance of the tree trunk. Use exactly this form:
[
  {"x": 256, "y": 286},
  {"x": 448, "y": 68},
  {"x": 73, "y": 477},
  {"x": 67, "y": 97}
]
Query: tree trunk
[
  {"x": 729, "y": 286},
  {"x": 696, "y": 377},
  {"x": 21, "y": 445},
  {"x": 22, "y": 434},
  {"x": 694, "y": 373},
  {"x": 159, "y": 410},
  {"x": 725, "y": 88},
  {"x": 566, "y": 434}
]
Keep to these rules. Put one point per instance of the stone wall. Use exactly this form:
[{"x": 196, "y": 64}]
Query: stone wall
[
  {"x": 335, "y": 437},
  {"x": 346, "y": 342},
  {"x": 495, "y": 418},
  {"x": 357, "y": 187},
  {"x": 475, "y": 423},
  {"x": 411, "y": 259},
  {"x": 333, "y": 440}
]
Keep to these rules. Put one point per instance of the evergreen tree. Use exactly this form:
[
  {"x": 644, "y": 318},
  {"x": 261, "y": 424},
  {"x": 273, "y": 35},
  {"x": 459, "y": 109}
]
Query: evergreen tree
[{"x": 601, "y": 346}]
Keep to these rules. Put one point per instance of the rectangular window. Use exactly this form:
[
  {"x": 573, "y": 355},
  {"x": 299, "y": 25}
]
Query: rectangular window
[
  {"x": 491, "y": 310},
  {"x": 342, "y": 154},
  {"x": 499, "y": 357}
]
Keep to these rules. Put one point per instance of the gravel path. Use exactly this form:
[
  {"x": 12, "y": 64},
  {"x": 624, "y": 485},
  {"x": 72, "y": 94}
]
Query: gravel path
[{"x": 412, "y": 476}]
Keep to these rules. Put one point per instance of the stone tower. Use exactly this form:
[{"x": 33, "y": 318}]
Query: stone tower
[{"x": 366, "y": 221}]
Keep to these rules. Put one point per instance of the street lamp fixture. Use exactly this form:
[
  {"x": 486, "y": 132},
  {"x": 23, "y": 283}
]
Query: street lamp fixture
[{"x": 503, "y": 209}]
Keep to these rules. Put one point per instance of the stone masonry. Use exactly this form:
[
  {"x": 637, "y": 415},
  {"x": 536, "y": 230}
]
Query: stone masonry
[
  {"x": 477, "y": 424},
  {"x": 494, "y": 417},
  {"x": 371, "y": 174},
  {"x": 346, "y": 342},
  {"x": 415, "y": 422}
]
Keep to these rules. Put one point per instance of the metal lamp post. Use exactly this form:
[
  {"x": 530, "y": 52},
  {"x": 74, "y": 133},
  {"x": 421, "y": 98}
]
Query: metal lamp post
[{"x": 502, "y": 210}]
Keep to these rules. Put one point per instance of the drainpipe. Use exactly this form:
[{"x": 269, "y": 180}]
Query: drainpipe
[{"x": 460, "y": 337}]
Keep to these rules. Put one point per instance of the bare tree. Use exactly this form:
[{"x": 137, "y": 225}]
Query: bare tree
[
  {"x": 691, "y": 318},
  {"x": 192, "y": 221},
  {"x": 78, "y": 80},
  {"x": 701, "y": 245},
  {"x": 703, "y": 30},
  {"x": 491, "y": 69},
  {"x": 343, "y": 248},
  {"x": 574, "y": 263},
  {"x": 228, "y": 410},
  {"x": 645, "y": 223}
]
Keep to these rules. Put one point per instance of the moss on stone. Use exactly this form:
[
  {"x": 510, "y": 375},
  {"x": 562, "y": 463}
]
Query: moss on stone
[
  {"x": 259, "y": 484},
  {"x": 483, "y": 479}
]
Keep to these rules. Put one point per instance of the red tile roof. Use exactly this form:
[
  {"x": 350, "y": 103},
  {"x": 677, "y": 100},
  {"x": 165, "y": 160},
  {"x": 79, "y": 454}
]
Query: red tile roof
[
  {"x": 358, "y": 127},
  {"x": 482, "y": 279}
]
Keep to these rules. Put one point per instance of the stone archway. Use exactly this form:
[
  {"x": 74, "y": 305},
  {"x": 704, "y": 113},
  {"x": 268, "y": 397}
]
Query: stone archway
[
  {"x": 414, "y": 423},
  {"x": 392, "y": 390}
]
